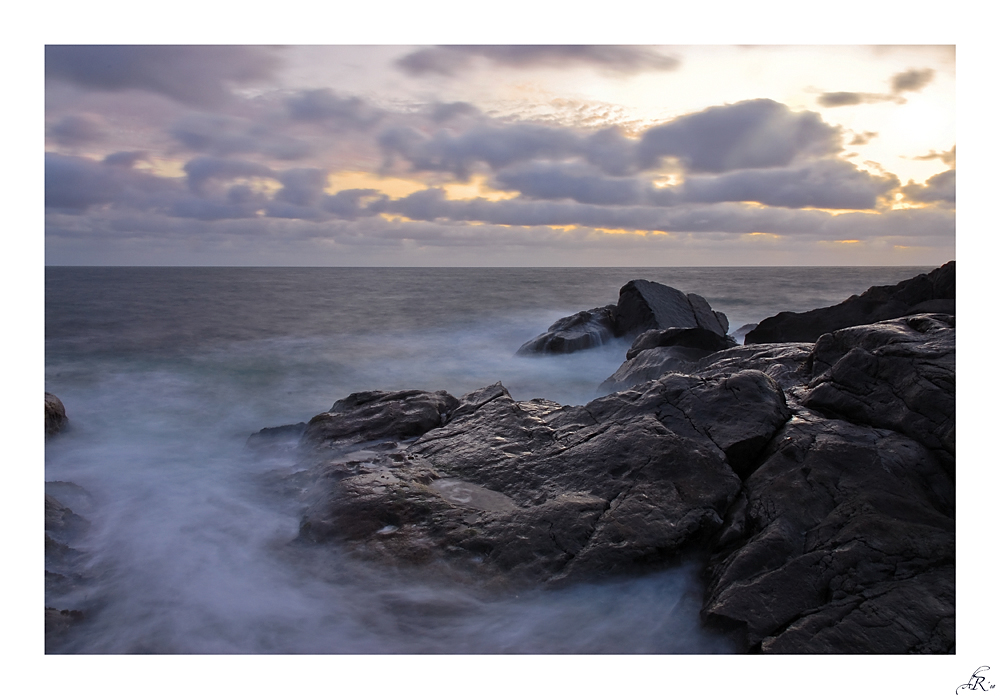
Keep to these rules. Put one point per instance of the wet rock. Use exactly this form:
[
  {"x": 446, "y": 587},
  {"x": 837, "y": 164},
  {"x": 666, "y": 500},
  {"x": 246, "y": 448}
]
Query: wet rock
[
  {"x": 897, "y": 374},
  {"x": 55, "y": 415},
  {"x": 642, "y": 306},
  {"x": 848, "y": 546},
  {"x": 374, "y": 415},
  {"x": 925, "y": 293},
  {"x": 579, "y": 331},
  {"x": 701, "y": 339},
  {"x": 645, "y": 305}
]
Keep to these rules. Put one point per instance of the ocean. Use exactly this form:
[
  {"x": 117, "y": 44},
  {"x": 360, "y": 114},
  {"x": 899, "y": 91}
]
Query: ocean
[{"x": 166, "y": 371}]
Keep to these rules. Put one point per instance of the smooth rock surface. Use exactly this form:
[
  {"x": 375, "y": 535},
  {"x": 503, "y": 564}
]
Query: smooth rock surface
[
  {"x": 925, "y": 293},
  {"x": 644, "y": 305},
  {"x": 579, "y": 331}
]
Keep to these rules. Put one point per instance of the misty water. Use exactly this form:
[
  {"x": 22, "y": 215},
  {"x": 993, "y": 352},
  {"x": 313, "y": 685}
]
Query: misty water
[{"x": 165, "y": 372}]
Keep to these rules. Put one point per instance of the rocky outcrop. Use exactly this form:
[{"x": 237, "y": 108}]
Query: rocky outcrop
[
  {"x": 55, "y": 415},
  {"x": 817, "y": 480},
  {"x": 64, "y": 563},
  {"x": 701, "y": 339},
  {"x": 642, "y": 306},
  {"x": 925, "y": 293},
  {"x": 579, "y": 331},
  {"x": 645, "y": 305}
]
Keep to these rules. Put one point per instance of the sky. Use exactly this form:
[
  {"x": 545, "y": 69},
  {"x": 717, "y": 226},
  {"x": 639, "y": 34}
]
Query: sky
[{"x": 488, "y": 154}]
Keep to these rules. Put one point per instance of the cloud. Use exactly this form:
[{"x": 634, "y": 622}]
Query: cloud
[
  {"x": 77, "y": 130},
  {"x": 947, "y": 157},
  {"x": 76, "y": 184},
  {"x": 939, "y": 188},
  {"x": 325, "y": 105},
  {"x": 450, "y": 60},
  {"x": 911, "y": 80},
  {"x": 861, "y": 139},
  {"x": 302, "y": 186},
  {"x": 192, "y": 75},
  {"x": 751, "y": 134},
  {"x": 205, "y": 170},
  {"x": 223, "y": 136}
]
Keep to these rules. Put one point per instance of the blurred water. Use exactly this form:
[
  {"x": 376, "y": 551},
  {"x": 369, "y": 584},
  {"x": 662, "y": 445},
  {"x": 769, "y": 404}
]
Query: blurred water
[{"x": 166, "y": 371}]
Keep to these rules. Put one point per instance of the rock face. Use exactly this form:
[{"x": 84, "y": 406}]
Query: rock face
[
  {"x": 925, "y": 293},
  {"x": 642, "y": 306},
  {"x": 817, "y": 480},
  {"x": 64, "y": 563},
  {"x": 55, "y": 415},
  {"x": 645, "y": 305},
  {"x": 579, "y": 331}
]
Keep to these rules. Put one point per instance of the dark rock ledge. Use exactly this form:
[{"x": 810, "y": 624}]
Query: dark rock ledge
[{"x": 815, "y": 480}]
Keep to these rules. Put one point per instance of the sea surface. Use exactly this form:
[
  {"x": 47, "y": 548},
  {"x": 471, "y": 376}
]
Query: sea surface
[{"x": 165, "y": 372}]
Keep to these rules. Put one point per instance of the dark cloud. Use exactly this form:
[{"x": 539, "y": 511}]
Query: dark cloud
[
  {"x": 752, "y": 134},
  {"x": 446, "y": 111},
  {"x": 76, "y": 184},
  {"x": 203, "y": 171},
  {"x": 354, "y": 203},
  {"x": 947, "y": 157},
  {"x": 911, "y": 80},
  {"x": 939, "y": 188},
  {"x": 77, "y": 130},
  {"x": 825, "y": 184},
  {"x": 325, "y": 105},
  {"x": 193, "y": 75},
  {"x": 449, "y": 60},
  {"x": 223, "y": 136},
  {"x": 302, "y": 186},
  {"x": 495, "y": 146},
  {"x": 126, "y": 159},
  {"x": 861, "y": 139},
  {"x": 582, "y": 184},
  {"x": 908, "y": 81}
]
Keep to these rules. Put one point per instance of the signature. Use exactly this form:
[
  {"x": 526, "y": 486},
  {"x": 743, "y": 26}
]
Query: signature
[{"x": 977, "y": 681}]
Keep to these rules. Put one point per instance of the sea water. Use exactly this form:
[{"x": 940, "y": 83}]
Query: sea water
[{"x": 165, "y": 372}]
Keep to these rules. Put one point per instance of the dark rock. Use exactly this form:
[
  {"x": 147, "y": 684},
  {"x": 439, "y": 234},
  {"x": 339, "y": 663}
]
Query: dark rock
[
  {"x": 645, "y": 305},
  {"x": 848, "y": 546},
  {"x": 55, "y": 415},
  {"x": 925, "y": 293},
  {"x": 373, "y": 415},
  {"x": 58, "y": 623},
  {"x": 741, "y": 332},
  {"x": 580, "y": 331},
  {"x": 642, "y": 306},
  {"x": 651, "y": 364},
  {"x": 693, "y": 338},
  {"x": 275, "y": 441}
]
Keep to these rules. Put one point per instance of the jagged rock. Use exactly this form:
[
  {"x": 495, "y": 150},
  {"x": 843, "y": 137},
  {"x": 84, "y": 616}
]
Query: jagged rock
[
  {"x": 55, "y": 415},
  {"x": 645, "y": 305},
  {"x": 580, "y": 331},
  {"x": 642, "y": 305},
  {"x": 897, "y": 374},
  {"x": 373, "y": 415},
  {"x": 538, "y": 492},
  {"x": 925, "y": 293},
  {"x": 845, "y": 544},
  {"x": 693, "y": 338},
  {"x": 782, "y": 362}
]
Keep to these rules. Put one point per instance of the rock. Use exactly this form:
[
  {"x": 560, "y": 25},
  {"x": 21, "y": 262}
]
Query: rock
[
  {"x": 64, "y": 564},
  {"x": 642, "y": 306},
  {"x": 533, "y": 492},
  {"x": 645, "y": 305},
  {"x": 847, "y": 546},
  {"x": 897, "y": 374},
  {"x": 276, "y": 441},
  {"x": 55, "y": 415},
  {"x": 741, "y": 332},
  {"x": 693, "y": 338},
  {"x": 925, "y": 293},
  {"x": 374, "y": 415},
  {"x": 580, "y": 331},
  {"x": 782, "y": 362}
]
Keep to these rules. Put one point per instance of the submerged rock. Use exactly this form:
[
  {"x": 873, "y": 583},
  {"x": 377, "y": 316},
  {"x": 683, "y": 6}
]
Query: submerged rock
[
  {"x": 55, "y": 415},
  {"x": 925, "y": 293},
  {"x": 816, "y": 479},
  {"x": 642, "y": 306},
  {"x": 579, "y": 331}
]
